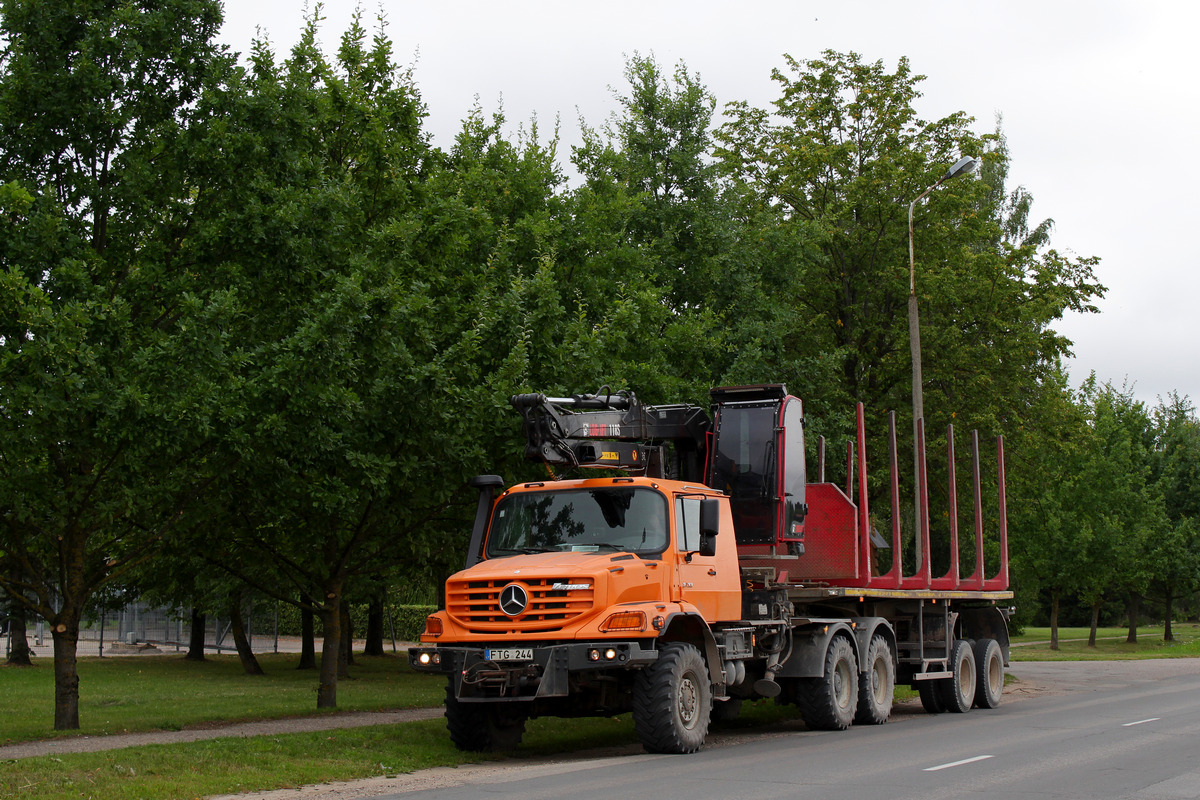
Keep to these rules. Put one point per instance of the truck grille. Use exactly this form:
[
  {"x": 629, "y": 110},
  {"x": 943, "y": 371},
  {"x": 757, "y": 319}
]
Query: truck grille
[{"x": 476, "y": 604}]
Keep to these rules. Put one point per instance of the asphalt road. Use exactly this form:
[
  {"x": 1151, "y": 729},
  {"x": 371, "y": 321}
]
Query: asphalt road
[{"x": 1124, "y": 731}]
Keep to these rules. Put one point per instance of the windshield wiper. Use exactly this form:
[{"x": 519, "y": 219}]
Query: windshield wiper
[{"x": 524, "y": 551}]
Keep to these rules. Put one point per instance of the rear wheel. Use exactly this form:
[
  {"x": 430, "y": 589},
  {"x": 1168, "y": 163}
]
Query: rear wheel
[
  {"x": 958, "y": 692},
  {"x": 931, "y": 696},
  {"x": 989, "y": 661},
  {"x": 828, "y": 703},
  {"x": 672, "y": 701},
  {"x": 877, "y": 685},
  {"x": 484, "y": 727},
  {"x": 727, "y": 710}
]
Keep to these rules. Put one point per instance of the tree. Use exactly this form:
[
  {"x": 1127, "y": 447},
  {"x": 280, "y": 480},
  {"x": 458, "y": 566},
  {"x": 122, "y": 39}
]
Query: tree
[
  {"x": 838, "y": 161},
  {"x": 107, "y": 402},
  {"x": 845, "y": 152},
  {"x": 1132, "y": 515},
  {"x": 1054, "y": 463},
  {"x": 1175, "y": 555}
]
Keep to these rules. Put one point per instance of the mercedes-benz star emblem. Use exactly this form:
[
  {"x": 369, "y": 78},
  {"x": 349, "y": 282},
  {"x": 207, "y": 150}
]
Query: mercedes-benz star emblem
[{"x": 513, "y": 600}]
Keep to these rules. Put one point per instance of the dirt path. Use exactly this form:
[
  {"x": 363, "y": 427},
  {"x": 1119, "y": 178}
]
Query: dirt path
[{"x": 325, "y": 722}]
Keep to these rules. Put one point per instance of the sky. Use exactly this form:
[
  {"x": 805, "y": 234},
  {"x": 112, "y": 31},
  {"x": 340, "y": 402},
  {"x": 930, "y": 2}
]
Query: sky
[{"x": 1100, "y": 103}]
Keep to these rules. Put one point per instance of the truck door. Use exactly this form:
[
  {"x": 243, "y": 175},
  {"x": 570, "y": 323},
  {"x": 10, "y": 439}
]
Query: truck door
[{"x": 711, "y": 583}]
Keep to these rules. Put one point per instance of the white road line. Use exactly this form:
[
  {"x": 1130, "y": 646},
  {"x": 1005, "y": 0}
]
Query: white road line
[
  {"x": 1140, "y": 721},
  {"x": 957, "y": 763}
]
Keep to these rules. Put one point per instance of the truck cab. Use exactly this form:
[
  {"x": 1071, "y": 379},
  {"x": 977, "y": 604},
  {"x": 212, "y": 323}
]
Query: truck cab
[{"x": 577, "y": 585}]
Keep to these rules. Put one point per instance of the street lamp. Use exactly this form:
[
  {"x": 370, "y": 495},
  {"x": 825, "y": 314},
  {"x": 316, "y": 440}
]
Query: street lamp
[{"x": 963, "y": 166}]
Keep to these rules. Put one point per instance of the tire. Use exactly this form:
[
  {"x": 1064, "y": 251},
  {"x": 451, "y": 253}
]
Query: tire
[
  {"x": 727, "y": 710},
  {"x": 484, "y": 727},
  {"x": 672, "y": 701},
  {"x": 828, "y": 703},
  {"x": 989, "y": 662},
  {"x": 958, "y": 692},
  {"x": 877, "y": 685},
  {"x": 931, "y": 696}
]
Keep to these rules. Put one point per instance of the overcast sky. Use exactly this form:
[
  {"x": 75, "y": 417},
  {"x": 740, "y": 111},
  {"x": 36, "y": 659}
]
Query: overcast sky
[{"x": 1099, "y": 99}]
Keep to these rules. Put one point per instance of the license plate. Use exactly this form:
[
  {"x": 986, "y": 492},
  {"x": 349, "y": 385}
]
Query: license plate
[{"x": 509, "y": 654}]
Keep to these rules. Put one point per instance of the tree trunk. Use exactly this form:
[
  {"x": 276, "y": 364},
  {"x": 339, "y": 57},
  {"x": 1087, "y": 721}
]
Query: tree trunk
[
  {"x": 374, "y": 643},
  {"x": 196, "y": 636},
  {"x": 1095, "y": 624},
  {"x": 237, "y": 627},
  {"x": 346, "y": 651},
  {"x": 19, "y": 655},
  {"x": 65, "y": 630},
  {"x": 1133, "y": 607},
  {"x": 1054, "y": 619},
  {"x": 331, "y": 644},
  {"x": 308, "y": 650},
  {"x": 1168, "y": 635}
]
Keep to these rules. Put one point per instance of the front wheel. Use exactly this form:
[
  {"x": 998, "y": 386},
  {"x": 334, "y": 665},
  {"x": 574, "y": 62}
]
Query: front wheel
[
  {"x": 484, "y": 727},
  {"x": 672, "y": 701}
]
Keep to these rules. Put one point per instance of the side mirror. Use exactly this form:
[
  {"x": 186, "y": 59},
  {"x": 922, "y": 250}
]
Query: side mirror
[
  {"x": 710, "y": 525},
  {"x": 487, "y": 486}
]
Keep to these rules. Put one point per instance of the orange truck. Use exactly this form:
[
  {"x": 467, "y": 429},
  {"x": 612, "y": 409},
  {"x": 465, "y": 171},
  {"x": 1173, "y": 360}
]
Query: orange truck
[{"x": 707, "y": 571}]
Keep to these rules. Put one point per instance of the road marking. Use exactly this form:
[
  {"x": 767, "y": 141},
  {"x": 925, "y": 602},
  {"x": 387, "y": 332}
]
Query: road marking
[
  {"x": 1140, "y": 721},
  {"x": 957, "y": 763}
]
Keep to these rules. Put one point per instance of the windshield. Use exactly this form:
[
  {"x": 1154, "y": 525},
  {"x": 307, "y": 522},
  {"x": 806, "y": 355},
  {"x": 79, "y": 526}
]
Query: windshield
[{"x": 585, "y": 520}]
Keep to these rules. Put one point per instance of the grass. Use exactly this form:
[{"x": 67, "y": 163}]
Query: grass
[
  {"x": 140, "y": 693},
  {"x": 200, "y": 769},
  {"x": 1110, "y": 644}
]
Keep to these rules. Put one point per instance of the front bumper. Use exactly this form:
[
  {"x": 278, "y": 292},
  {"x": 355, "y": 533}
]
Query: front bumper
[{"x": 476, "y": 677}]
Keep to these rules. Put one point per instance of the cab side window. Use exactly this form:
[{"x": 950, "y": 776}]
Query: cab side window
[{"x": 687, "y": 523}]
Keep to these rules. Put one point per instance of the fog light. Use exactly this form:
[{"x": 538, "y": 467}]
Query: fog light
[
  {"x": 437, "y": 658},
  {"x": 610, "y": 654},
  {"x": 593, "y": 655}
]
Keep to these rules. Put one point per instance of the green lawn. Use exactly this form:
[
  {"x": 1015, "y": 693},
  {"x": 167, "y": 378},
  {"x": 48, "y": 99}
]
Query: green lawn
[
  {"x": 139, "y": 693},
  {"x": 1110, "y": 644},
  {"x": 228, "y": 765}
]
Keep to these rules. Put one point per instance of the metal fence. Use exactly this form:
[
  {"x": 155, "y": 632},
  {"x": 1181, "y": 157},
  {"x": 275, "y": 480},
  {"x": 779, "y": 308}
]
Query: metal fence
[{"x": 139, "y": 628}]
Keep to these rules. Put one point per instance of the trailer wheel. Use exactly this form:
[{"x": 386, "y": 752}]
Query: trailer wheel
[
  {"x": 877, "y": 685},
  {"x": 931, "y": 696},
  {"x": 828, "y": 703},
  {"x": 958, "y": 692},
  {"x": 990, "y": 663},
  {"x": 484, "y": 727},
  {"x": 672, "y": 701}
]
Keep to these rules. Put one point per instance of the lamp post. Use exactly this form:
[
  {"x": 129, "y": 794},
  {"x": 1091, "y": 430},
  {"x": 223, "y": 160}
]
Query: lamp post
[{"x": 963, "y": 166}]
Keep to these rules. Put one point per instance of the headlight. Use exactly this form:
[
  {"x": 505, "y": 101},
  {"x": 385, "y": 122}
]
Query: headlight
[{"x": 625, "y": 621}]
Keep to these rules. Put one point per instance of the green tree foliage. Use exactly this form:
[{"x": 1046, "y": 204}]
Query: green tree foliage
[
  {"x": 1175, "y": 553},
  {"x": 250, "y": 317},
  {"x": 844, "y": 153},
  {"x": 108, "y": 403}
]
